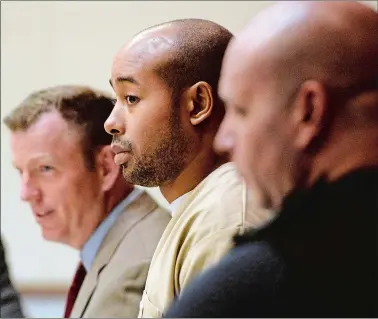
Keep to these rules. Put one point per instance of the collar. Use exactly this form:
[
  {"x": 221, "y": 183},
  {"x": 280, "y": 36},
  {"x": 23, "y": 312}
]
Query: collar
[
  {"x": 323, "y": 202},
  {"x": 176, "y": 203}
]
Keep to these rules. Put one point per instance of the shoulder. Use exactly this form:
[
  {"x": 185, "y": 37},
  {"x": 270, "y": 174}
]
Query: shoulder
[
  {"x": 249, "y": 273},
  {"x": 218, "y": 201},
  {"x": 118, "y": 293},
  {"x": 159, "y": 215},
  {"x": 150, "y": 218},
  {"x": 135, "y": 234},
  {"x": 10, "y": 304},
  {"x": 254, "y": 260},
  {"x": 212, "y": 214},
  {"x": 150, "y": 228},
  {"x": 220, "y": 206}
]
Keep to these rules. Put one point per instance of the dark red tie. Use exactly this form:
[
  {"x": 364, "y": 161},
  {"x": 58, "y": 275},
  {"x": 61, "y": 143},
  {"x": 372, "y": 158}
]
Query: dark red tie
[{"x": 74, "y": 289}]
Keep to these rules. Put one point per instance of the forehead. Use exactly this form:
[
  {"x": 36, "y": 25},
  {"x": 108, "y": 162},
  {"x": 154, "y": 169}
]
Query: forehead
[
  {"x": 152, "y": 42},
  {"x": 139, "y": 59},
  {"x": 49, "y": 136},
  {"x": 246, "y": 71},
  {"x": 235, "y": 80}
]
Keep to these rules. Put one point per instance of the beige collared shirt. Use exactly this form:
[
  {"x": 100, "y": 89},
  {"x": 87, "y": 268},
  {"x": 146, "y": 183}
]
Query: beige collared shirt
[{"x": 199, "y": 234}]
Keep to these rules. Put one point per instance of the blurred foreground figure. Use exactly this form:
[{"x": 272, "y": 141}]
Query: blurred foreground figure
[
  {"x": 300, "y": 85},
  {"x": 10, "y": 306},
  {"x": 79, "y": 198}
]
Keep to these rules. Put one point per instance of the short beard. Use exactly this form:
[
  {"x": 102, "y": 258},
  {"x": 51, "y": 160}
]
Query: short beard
[{"x": 165, "y": 162}]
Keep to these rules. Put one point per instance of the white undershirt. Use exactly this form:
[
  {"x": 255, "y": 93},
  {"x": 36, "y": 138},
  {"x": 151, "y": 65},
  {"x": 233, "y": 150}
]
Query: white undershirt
[{"x": 176, "y": 203}]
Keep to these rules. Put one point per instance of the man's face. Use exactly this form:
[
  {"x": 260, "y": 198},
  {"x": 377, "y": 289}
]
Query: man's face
[
  {"x": 255, "y": 130},
  {"x": 146, "y": 125},
  {"x": 63, "y": 194}
]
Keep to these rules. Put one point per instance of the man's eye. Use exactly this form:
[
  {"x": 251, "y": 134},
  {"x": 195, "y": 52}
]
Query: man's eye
[
  {"x": 131, "y": 99},
  {"x": 45, "y": 168},
  {"x": 114, "y": 101}
]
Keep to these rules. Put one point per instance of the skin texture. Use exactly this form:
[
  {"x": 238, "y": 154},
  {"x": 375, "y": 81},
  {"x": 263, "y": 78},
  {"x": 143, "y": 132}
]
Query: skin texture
[
  {"x": 163, "y": 130},
  {"x": 301, "y": 96},
  {"x": 68, "y": 200},
  {"x": 156, "y": 104}
]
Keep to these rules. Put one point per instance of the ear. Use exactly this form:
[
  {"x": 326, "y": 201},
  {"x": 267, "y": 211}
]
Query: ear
[
  {"x": 200, "y": 103},
  {"x": 309, "y": 113},
  {"x": 107, "y": 169}
]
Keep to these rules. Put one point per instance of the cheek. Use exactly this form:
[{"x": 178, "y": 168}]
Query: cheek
[
  {"x": 269, "y": 153},
  {"x": 147, "y": 136},
  {"x": 242, "y": 151},
  {"x": 249, "y": 151},
  {"x": 68, "y": 205},
  {"x": 79, "y": 192}
]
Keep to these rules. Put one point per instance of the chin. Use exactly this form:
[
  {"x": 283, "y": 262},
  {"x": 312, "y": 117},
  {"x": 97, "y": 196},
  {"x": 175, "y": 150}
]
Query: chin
[
  {"x": 126, "y": 173},
  {"x": 52, "y": 236}
]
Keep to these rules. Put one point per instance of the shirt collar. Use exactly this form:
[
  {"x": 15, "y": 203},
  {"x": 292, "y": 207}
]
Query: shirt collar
[
  {"x": 176, "y": 203},
  {"x": 91, "y": 247}
]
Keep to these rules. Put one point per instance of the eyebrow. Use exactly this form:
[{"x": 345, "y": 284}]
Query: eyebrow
[
  {"x": 124, "y": 79},
  {"x": 36, "y": 159}
]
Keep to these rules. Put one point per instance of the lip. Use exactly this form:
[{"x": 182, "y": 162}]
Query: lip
[
  {"x": 121, "y": 158},
  {"x": 41, "y": 215},
  {"x": 118, "y": 149}
]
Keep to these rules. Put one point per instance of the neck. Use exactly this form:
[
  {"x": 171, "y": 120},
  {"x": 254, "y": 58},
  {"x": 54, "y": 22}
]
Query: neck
[
  {"x": 117, "y": 194},
  {"x": 358, "y": 151},
  {"x": 193, "y": 174},
  {"x": 111, "y": 199}
]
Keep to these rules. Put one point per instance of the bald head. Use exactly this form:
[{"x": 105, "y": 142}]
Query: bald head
[
  {"x": 302, "y": 83},
  {"x": 168, "y": 111},
  {"x": 333, "y": 42},
  {"x": 182, "y": 52}
]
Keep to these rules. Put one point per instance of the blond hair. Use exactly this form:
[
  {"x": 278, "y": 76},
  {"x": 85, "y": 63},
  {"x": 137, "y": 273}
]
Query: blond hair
[{"x": 82, "y": 106}]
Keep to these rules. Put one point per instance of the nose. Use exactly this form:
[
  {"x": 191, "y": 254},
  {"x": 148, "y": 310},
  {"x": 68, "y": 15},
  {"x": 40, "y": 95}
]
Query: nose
[
  {"x": 115, "y": 124},
  {"x": 224, "y": 139},
  {"x": 29, "y": 192}
]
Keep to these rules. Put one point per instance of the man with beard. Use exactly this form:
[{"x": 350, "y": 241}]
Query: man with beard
[{"x": 163, "y": 126}]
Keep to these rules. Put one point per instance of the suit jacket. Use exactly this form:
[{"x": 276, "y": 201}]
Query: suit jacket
[
  {"x": 113, "y": 286},
  {"x": 200, "y": 233},
  {"x": 9, "y": 299},
  {"x": 318, "y": 259}
]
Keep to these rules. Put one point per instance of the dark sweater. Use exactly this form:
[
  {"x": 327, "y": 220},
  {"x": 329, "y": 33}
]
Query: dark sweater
[
  {"x": 10, "y": 306},
  {"x": 318, "y": 258}
]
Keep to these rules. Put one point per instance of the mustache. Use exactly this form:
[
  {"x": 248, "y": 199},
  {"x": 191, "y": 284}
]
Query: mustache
[{"x": 126, "y": 145}]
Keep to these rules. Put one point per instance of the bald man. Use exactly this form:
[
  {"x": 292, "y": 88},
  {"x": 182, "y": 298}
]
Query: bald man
[
  {"x": 300, "y": 85},
  {"x": 163, "y": 125}
]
